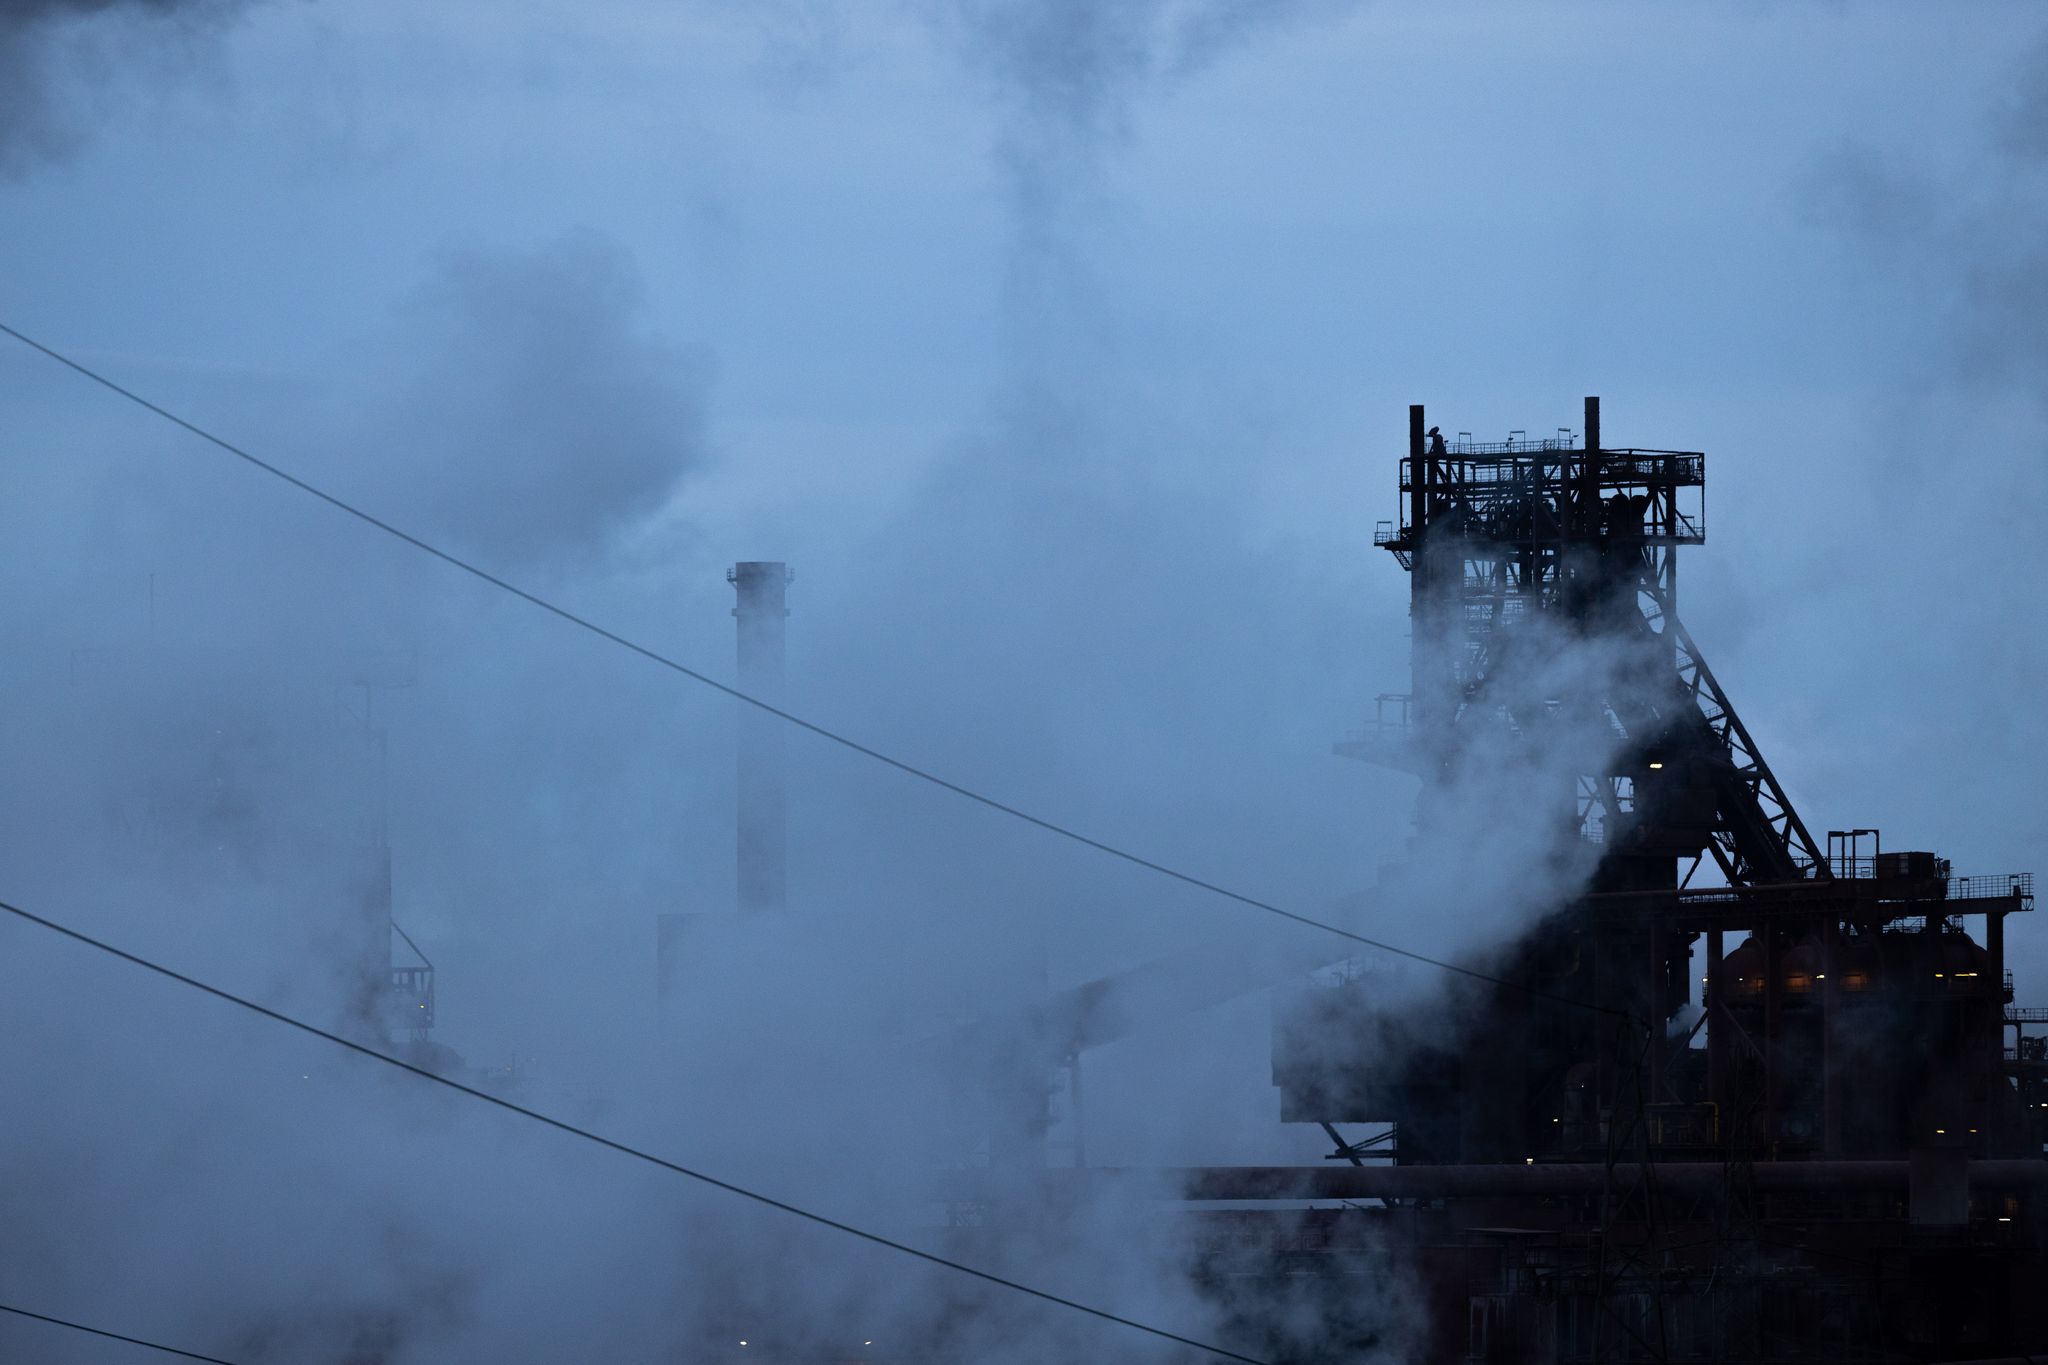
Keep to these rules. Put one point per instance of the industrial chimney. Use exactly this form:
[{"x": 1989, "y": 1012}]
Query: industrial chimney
[{"x": 761, "y": 586}]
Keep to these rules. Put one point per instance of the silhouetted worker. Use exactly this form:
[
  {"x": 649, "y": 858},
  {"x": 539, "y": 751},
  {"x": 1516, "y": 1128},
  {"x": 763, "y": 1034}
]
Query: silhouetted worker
[{"x": 1436, "y": 442}]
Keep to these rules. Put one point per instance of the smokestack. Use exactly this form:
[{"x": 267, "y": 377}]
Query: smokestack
[{"x": 761, "y": 586}]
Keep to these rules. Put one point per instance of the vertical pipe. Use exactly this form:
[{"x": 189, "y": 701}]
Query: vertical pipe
[
  {"x": 1830, "y": 1032},
  {"x": 1418, "y": 472},
  {"x": 1671, "y": 464},
  {"x": 1994, "y": 947},
  {"x": 1717, "y": 1035},
  {"x": 1660, "y": 973},
  {"x": 1773, "y": 966},
  {"x": 1589, "y": 473},
  {"x": 1994, "y": 944},
  {"x": 761, "y": 585},
  {"x": 1422, "y": 625},
  {"x": 1607, "y": 1073}
]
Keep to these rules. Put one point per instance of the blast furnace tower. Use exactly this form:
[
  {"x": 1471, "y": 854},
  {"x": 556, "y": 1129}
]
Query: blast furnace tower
[{"x": 1833, "y": 1148}]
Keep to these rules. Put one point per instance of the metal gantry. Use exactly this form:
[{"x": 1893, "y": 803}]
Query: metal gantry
[{"x": 1706, "y": 1159}]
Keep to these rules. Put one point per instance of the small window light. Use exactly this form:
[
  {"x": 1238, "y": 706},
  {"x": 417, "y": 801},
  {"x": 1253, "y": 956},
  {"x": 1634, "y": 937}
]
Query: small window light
[
  {"x": 1939, "y": 1132},
  {"x": 1528, "y": 1161},
  {"x": 1656, "y": 764},
  {"x": 2004, "y": 1220}
]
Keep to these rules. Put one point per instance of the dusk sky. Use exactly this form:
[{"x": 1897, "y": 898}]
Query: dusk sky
[{"x": 1064, "y": 350}]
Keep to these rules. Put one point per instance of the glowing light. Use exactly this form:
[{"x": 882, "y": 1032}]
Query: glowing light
[
  {"x": 1528, "y": 1161},
  {"x": 2005, "y": 1220},
  {"x": 1655, "y": 766},
  {"x": 1939, "y": 1132}
]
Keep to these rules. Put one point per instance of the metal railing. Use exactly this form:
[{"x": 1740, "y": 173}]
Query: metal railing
[
  {"x": 1978, "y": 886},
  {"x": 1983, "y": 887},
  {"x": 1513, "y": 445},
  {"x": 1504, "y": 462}
]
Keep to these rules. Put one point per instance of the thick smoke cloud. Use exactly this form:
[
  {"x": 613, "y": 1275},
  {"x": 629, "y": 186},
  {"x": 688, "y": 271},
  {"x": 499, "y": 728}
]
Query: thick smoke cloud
[
  {"x": 209, "y": 781},
  {"x": 38, "y": 69},
  {"x": 536, "y": 414},
  {"x": 1964, "y": 234},
  {"x": 1095, "y": 598},
  {"x": 1934, "y": 251},
  {"x": 1067, "y": 78},
  {"x": 1069, "y": 75}
]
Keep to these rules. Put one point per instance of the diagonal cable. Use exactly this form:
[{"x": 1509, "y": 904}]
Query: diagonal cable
[
  {"x": 113, "y": 1336},
  {"x": 768, "y": 1201},
  {"x": 654, "y": 656}
]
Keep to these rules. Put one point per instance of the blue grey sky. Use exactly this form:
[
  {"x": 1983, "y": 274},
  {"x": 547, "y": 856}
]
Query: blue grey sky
[{"x": 1064, "y": 349}]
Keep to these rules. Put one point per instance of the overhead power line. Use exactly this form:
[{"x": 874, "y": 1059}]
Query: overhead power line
[
  {"x": 768, "y": 1201},
  {"x": 654, "y": 656},
  {"x": 114, "y": 1336}
]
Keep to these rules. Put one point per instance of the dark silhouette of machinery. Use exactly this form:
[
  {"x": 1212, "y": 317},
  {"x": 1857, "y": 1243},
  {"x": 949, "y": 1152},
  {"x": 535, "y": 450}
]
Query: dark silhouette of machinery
[
  {"x": 1831, "y": 1150},
  {"x": 1730, "y": 1093}
]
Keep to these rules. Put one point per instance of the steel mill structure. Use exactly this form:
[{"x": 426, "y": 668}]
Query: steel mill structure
[
  {"x": 1728, "y": 1091},
  {"x": 1791, "y": 1115}
]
